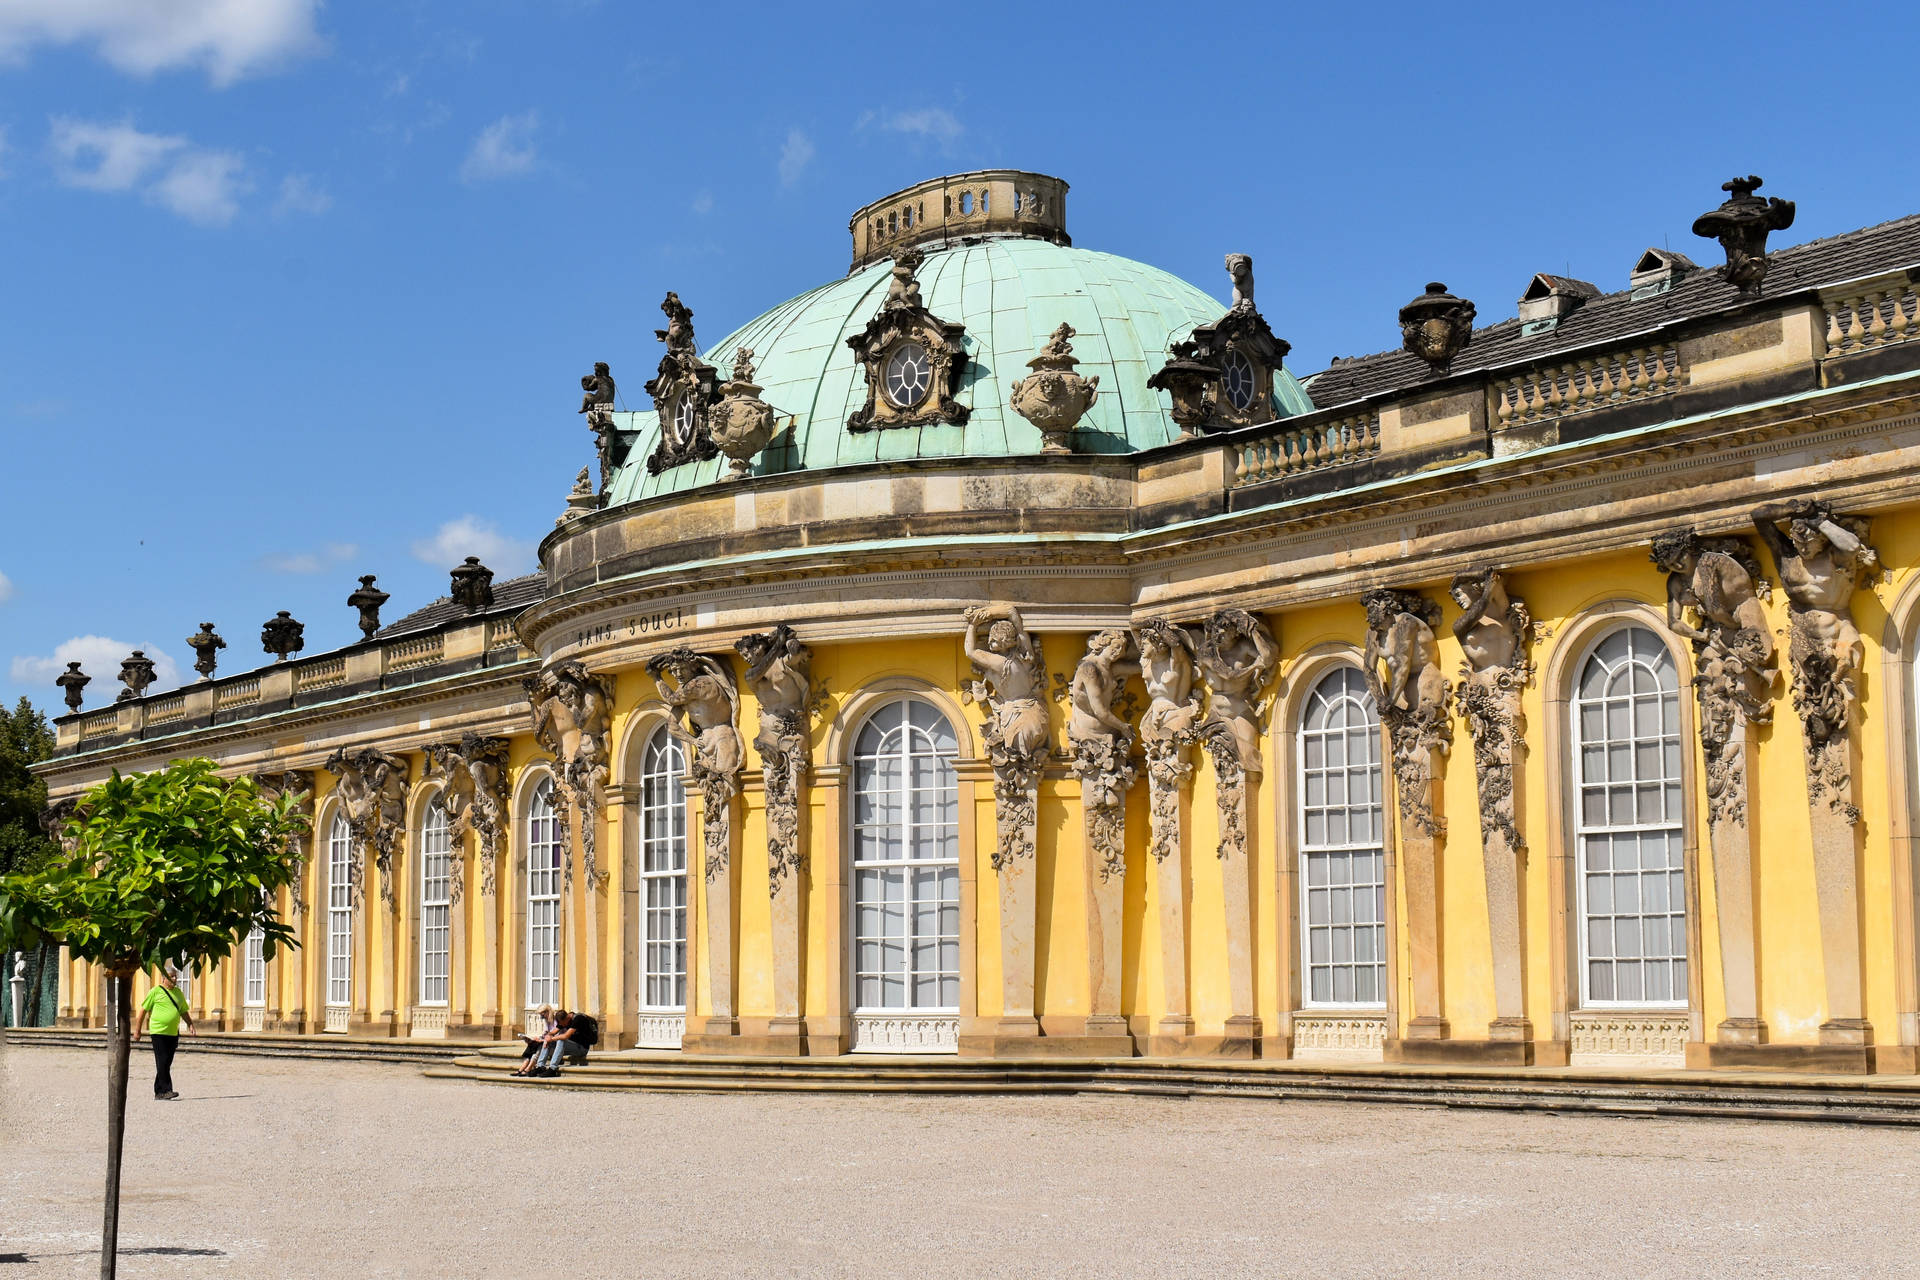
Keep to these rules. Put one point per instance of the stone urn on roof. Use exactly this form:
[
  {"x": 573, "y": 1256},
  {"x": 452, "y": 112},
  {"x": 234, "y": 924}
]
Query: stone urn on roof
[
  {"x": 1436, "y": 326},
  {"x": 1053, "y": 397},
  {"x": 741, "y": 424}
]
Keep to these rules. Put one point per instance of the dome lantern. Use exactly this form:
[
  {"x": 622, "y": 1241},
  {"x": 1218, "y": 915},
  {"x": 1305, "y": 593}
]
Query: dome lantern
[{"x": 963, "y": 206}]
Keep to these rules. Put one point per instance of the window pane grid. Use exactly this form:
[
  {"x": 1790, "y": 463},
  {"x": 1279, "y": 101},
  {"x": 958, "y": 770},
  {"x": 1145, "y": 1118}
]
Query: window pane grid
[
  {"x": 1632, "y": 880},
  {"x": 663, "y": 874},
  {"x": 256, "y": 969},
  {"x": 339, "y": 913},
  {"x": 436, "y": 905},
  {"x": 906, "y": 862},
  {"x": 543, "y": 900},
  {"x": 1342, "y": 849}
]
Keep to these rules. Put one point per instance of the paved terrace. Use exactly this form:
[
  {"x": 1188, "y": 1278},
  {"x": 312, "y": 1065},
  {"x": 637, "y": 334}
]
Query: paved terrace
[{"x": 294, "y": 1168}]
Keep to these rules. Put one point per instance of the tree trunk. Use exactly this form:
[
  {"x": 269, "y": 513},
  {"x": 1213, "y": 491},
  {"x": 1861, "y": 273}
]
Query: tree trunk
[{"x": 119, "y": 1049}]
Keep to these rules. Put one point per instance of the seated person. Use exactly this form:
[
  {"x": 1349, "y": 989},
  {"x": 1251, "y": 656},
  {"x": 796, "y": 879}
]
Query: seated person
[
  {"x": 539, "y": 1027},
  {"x": 573, "y": 1035}
]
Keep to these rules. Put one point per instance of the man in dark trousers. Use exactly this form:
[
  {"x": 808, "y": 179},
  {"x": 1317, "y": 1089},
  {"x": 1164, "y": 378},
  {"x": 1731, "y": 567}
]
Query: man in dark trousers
[
  {"x": 165, "y": 1008},
  {"x": 572, "y": 1036}
]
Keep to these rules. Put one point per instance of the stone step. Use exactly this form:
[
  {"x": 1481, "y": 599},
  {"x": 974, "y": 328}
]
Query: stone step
[{"x": 263, "y": 1045}]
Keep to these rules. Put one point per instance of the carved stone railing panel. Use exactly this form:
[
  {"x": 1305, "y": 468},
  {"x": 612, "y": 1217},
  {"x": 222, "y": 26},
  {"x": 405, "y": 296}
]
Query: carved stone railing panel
[
  {"x": 240, "y": 693},
  {"x": 339, "y": 1018},
  {"x": 428, "y": 1022},
  {"x": 1863, "y": 318},
  {"x": 1353, "y": 1036},
  {"x": 101, "y": 724},
  {"x": 1294, "y": 447},
  {"x": 167, "y": 710},
  {"x": 421, "y": 651},
  {"x": 1601, "y": 1039},
  {"x": 324, "y": 674},
  {"x": 253, "y": 1018},
  {"x": 660, "y": 1030},
  {"x": 1584, "y": 383},
  {"x": 905, "y": 1033}
]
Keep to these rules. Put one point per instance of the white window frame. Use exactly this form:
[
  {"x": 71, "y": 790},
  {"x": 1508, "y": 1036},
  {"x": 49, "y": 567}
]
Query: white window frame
[
  {"x": 1677, "y": 923},
  {"x": 253, "y": 993},
  {"x": 545, "y": 881},
  {"x": 663, "y": 875},
  {"x": 1353, "y": 689},
  {"x": 435, "y": 924},
  {"x": 915, "y": 742},
  {"x": 339, "y": 913}
]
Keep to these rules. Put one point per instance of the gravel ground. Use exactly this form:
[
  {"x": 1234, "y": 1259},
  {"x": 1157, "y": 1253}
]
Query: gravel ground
[{"x": 267, "y": 1169}]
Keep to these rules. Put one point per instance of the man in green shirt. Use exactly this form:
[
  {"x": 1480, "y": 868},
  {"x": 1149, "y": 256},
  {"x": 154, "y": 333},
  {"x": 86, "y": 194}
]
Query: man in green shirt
[{"x": 164, "y": 1009}]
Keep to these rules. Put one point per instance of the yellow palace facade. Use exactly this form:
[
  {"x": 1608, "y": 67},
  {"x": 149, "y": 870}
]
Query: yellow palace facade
[{"x": 999, "y": 651}]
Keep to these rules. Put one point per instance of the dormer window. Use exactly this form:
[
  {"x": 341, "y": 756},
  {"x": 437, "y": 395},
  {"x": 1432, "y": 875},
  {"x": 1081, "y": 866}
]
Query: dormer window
[
  {"x": 1550, "y": 299},
  {"x": 1239, "y": 379},
  {"x": 909, "y": 374},
  {"x": 1656, "y": 271}
]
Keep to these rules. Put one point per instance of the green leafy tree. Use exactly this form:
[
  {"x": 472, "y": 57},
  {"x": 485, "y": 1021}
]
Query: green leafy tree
[
  {"x": 25, "y": 738},
  {"x": 170, "y": 867}
]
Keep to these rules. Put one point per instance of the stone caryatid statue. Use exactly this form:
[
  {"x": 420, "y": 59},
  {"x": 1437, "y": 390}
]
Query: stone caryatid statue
[
  {"x": 1240, "y": 271},
  {"x": 1053, "y": 397},
  {"x": 780, "y": 673},
  {"x": 373, "y": 787},
  {"x": 136, "y": 672},
  {"x": 1822, "y": 558},
  {"x": 1012, "y": 687},
  {"x": 1237, "y": 655},
  {"x": 273, "y": 784},
  {"x": 206, "y": 648},
  {"x": 573, "y": 723},
  {"x": 72, "y": 684},
  {"x": 1101, "y": 741},
  {"x": 1168, "y": 727},
  {"x": 54, "y": 819},
  {"x": 1402, "y": 663},
  {"x": 368, "y": 599},
  {"x": 282, "y": 635},
  {"x": 474, "y": 773},
  {"x": 598, "y": 387},
  {"x": 1741, "y": 224},
  {"x": 1495, "y": 631},
  {"x": 472, "y": 585},
  {"x": 705, "y": 702},
  {"x": 1719, "y": 580}
]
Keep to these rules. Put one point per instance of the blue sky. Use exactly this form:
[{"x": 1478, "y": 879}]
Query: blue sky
[{"x": 297, "y": 292}]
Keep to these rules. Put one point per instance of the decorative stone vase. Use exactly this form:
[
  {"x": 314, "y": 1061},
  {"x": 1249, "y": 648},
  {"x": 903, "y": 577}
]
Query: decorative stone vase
[
  {"x": 1436, "y": 326},
  {"x": 1188, "y": 380},
  {"x": 741, "y": 424},
  {"x": 1053, "y": 397}
]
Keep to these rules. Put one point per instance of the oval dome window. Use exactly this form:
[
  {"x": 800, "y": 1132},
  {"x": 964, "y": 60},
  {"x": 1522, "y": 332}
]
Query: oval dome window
[{"x": 909, "y": 373}]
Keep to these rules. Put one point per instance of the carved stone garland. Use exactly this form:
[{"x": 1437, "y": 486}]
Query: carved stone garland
[
  {"x": 1822, "y": 557},
  {"x": 474, "y": 771},
  {"x": 700, "y": 691},
  {"x": 1719, "y": 581},
  {"x": 1402, "y": 662},
  {"x": 1167, "y": 733},
  {"x": 373, "y": 788},
  {"x": 573, "y": 721},
  {"x": 780, "y": 673},
  {"x": 1495, "y": 632}
]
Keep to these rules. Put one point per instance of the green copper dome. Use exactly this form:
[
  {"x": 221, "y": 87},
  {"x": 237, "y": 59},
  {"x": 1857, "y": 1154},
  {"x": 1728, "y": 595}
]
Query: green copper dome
[{"x": 1010, "y": 293}]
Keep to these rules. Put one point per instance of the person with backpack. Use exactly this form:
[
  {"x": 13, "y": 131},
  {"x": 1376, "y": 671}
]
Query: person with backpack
[
  {"x": 572, "y": 1036},
  {"x": 164, "y": 1009}
]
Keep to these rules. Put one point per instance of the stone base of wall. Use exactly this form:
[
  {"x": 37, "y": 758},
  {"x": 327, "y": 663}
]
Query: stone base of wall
[{"x": 1605, "y": 1039}]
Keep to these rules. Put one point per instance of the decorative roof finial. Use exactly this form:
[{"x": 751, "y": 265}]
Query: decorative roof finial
[
  {"x": 472, "y": 587},
  {"x": 205, "y": 645},
  {"x": 1240, "y": 269},
  {"x": 1741, "y": 224},
  {"x": 368, "y": 600},
  {"x": 73, "y": 683},
  {"x": 1436, "y": 326},
  {"x": 283, "y": 635},
  {"x": 903, "y": 291},
  {"x": 1053, "y": 397},
  {"x": 136, "y": 672},
  {"x": 678, "y": 335}
]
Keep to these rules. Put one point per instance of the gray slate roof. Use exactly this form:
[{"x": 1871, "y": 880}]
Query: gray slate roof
[
  {"x": 1616, "y": 315},
  {"x": 509, "y": 596}
]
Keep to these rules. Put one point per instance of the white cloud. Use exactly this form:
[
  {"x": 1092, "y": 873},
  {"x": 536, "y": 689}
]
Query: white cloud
[
  {"x": 327, "y": 557},
  {"x": 301, "y": 194},
  {"x": 796, "y": 153},
  {"x": 703, "y": 202},
  {"x": 229, "y": 39},
  {"x": 467, "y": 536},
  {"x": 931, "y": 122},
  {"x": 99, "y": 657},
  {"x": 504, "y": 149},
  {"x": 199, "y": 183},
  {"x": 6, "y": 588}
]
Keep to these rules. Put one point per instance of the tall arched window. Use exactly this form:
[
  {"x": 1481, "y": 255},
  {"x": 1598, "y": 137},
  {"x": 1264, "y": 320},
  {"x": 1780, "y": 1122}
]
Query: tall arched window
[
  {"x": 663, "y": 875},
  {"x": 339, "y": 914},
  {"x": 436, "y": 904},
  {"x": 1626, "y": 762},
  {"x": 1343, "y": 881},
  {"x": 906, "y": 880},
  {"x": 544, "y": 852},
  {"x": 254, "y": 958}
]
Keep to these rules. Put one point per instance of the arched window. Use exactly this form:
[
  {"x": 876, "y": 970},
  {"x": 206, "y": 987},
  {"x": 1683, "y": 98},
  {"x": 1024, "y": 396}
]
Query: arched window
[
  {"x": 906, "y": 878},
  {"x": 339, "y": 913},
  {"x": 436, "y": 904},
  {"x": 1632, "y": 878},
  {"x": 1343, "y": 881},
  {"x": 663, "y": 875},
  {"x": 543, "y": 900}
]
